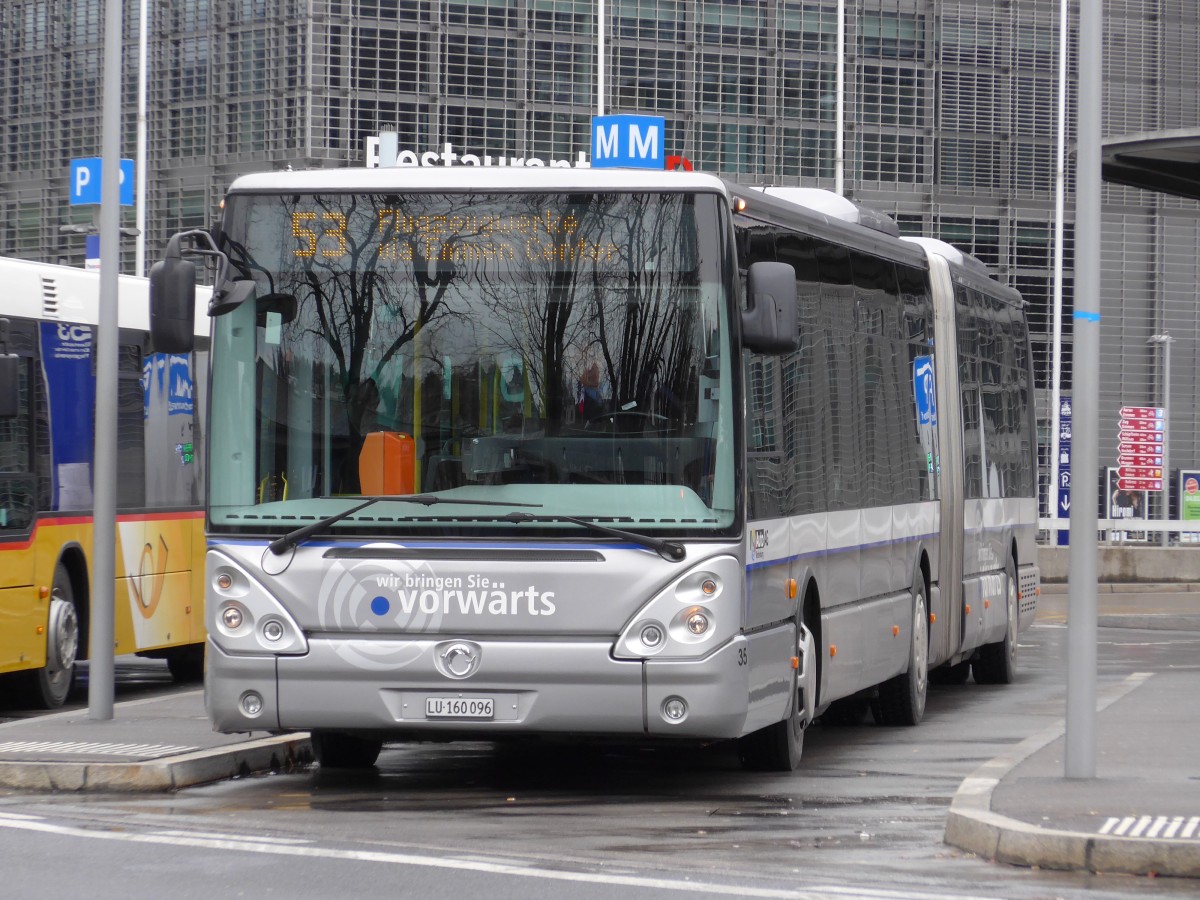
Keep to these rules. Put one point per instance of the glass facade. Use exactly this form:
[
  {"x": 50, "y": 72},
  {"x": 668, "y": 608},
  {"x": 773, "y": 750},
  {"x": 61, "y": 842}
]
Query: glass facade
[{"x": 948, "y": 112}]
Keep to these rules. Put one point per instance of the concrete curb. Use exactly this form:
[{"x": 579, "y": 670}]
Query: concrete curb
[
  {"x": 1128, "y": 587},
  {"x": 1151, "y": 622},
  {"x": 285, "y": 753},
  {"x": 972, "y": 825}
]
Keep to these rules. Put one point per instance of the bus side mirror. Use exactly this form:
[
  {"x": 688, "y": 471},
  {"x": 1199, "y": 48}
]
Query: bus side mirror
[
  {"x": 770, "y": 322},
  {"x": 173, "y": 304},
  {"x": 10, "y": 374}
]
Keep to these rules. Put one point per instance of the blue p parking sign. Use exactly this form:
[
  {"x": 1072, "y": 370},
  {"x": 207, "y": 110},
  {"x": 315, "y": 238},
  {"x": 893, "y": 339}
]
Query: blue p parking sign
[{"x": 84, "y": 189}]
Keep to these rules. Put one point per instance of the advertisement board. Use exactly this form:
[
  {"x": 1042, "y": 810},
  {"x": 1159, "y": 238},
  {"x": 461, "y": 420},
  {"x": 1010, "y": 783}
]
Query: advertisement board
[
  {"x": 1123, "y": 504},
  {"x": 1189, "y": 504}
]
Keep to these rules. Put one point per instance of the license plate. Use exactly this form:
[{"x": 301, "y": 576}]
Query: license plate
[{"x": 459, "y": 707}]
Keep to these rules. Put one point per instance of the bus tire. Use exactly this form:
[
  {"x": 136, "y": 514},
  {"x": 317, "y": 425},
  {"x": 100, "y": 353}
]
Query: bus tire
[
  {"x": 338, "y": 750},
  {"x": 951, "y": 675},
  {"x": 779, "y": 746},
  {"x": 48, "y": 687},
  {"x": 902, "y": 698},
  {"x": 997, "y": 663},
  {"x": 186, "y": 664}
]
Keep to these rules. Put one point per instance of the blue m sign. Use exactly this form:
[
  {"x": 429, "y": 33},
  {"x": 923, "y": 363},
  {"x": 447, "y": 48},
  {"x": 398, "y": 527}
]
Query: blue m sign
[{"x": 637, "y": 142}]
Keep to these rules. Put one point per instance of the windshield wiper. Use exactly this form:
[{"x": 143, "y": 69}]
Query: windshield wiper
[
  {"x": 293, "y": 538},
  {"x": 672, "y": 551}
]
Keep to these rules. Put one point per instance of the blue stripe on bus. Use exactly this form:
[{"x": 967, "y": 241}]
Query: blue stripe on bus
[{"x": 814, "y": 554}]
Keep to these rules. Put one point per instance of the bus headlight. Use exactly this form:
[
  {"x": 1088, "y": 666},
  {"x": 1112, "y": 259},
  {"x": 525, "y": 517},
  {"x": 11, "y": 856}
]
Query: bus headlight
[
  {"x": 232, "y": 618},
  {"x": 242, "y": 616},
  {"x": 652, "y": 635},
  {"x": 689, "y": 618}
]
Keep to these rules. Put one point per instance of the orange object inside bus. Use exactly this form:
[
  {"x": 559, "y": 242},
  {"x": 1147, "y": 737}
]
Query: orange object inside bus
[{"x": 387, "y": 463}]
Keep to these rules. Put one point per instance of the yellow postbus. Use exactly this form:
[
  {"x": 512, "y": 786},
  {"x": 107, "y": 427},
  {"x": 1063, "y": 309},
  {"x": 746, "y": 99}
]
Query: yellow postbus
[{"x": 48, "y": 317}]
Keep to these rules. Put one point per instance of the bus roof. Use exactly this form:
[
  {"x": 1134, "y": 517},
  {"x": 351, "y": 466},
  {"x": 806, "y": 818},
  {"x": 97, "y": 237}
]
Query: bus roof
[
  {"x": 476, "y": 178},
  {"x": 48, "y": 292},
  {"x": 965, "y": 267}
]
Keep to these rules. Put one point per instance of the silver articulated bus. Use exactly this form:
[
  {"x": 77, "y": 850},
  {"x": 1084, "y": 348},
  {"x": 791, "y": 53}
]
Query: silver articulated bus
[{"x": 502, "y": 451}]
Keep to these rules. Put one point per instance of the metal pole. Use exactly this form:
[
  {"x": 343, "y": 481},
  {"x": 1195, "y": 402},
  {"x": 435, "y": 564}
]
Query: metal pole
[
  {"x": 139, "y": 264},
  {"x": 1080, "y": 755},
  {"x": 104, "y": 476},
  {"x": 600, "y": 57},
  {"x": 1166, "y": 506},
  {"x": 1056, "y": 314},
  {"x": 839, "y": 114},
  {"x": 1165, "y": 340}
]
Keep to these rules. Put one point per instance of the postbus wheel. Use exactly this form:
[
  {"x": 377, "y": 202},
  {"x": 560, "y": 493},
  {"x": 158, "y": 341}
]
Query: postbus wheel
[
  {"x": 338, "y": 750},
  {"x": 186, "y": 664},
  {"x": 49, "y": 686},
  {"x": 902, "y": 698},
  {"x": 997, "y": 663}
]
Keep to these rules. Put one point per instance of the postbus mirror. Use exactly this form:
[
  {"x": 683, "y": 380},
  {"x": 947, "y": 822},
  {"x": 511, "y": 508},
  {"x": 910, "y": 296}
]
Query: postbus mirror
[
  {"x": 770, "y": 322},
  {"x": 282, "y": 304},
  {"x": 230, "y": 295},
  {"x": 173, "y": 303},
  {"x": 10, "y": 374}
]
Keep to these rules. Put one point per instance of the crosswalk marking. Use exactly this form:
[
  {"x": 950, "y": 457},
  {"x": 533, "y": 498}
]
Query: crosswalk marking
[
  {"x": 1153, "y": 827},
  {"x": 93, "y": 748}
]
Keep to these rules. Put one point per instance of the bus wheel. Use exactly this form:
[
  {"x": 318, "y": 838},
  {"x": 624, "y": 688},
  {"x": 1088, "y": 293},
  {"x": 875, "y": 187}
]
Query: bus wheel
[
  {"x": 955, "y": 674},
  {"x": 338, "y": 750},
  {"x": 778, "y": 747},
  {"x": 48, "y": 687},
  {"x": 997, "y": 663},
  {"x": 186, "y": 663},
  {"x": 902, "y": 699}
]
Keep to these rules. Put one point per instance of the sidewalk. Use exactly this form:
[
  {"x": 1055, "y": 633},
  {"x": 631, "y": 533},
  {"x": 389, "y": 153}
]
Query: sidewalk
[
  {"x": 1141, "y": 813},
  {"x": 157, "y": 744}
]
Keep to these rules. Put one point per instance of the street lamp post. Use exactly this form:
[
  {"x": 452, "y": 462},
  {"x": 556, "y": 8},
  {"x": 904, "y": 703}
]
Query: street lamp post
[{"x": 1165, "y": 340}]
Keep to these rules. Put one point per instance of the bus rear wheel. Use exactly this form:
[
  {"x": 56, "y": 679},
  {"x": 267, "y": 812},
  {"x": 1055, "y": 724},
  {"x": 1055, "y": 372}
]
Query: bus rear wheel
[
  {"x": 338, "y": 750},
  {"x": 48, "y": 687},
  {"x": 902, "y": 699},
  {"x": 997, "y": 663}
]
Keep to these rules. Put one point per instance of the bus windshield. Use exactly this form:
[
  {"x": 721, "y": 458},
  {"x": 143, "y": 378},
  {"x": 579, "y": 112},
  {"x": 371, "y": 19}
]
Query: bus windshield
[{"x": 565, "y": 353}]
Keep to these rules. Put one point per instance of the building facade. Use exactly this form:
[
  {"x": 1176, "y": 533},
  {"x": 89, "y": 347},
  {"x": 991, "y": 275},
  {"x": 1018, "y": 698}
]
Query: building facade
[{"x": 945, "y": 116}]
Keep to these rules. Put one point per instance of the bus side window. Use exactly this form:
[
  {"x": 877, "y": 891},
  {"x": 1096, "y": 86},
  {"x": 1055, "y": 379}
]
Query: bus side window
[{"x": 17, "y": 485}]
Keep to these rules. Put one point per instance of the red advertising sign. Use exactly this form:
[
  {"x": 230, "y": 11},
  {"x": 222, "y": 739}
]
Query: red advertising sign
[
  {"x": 1142, "y": 426},
  {"x": 1139, "y": 472},
  {"x": 1139, "y": 459},
  {"x": 1139, "y": 484},
  {"x": 1138, "y": 444},
  {"x": 1141, "y": 412}
]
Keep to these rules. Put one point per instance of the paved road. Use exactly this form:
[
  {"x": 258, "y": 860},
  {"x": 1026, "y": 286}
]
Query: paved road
[{"x": 863, "y": 818}]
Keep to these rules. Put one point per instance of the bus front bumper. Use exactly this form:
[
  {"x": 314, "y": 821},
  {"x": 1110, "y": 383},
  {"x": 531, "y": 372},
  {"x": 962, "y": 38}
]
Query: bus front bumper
[{"x": 390, "y": 688}]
